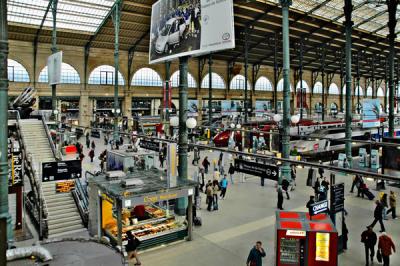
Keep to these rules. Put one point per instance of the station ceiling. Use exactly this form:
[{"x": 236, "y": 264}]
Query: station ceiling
[{"x": 315, "y": 25}]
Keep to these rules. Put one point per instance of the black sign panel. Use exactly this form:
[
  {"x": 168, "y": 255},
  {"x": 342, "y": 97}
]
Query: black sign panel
[
  {"x": 64, "y": 170},
  {"x": 150, "y": 145},
  {"x": 258, "y": 169},
  {"x": 337, "y": 198},
  {"x": 95, "y": 134},
  {"x": 319, "y": 207},
  {"x": 15, "y": 177}
]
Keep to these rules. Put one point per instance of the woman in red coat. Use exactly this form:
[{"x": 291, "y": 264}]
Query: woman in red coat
[{"x": 385, "y": 246}]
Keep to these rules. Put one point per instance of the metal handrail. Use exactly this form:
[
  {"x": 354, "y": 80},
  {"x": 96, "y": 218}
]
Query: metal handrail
[{"x": 52, "y": 146}]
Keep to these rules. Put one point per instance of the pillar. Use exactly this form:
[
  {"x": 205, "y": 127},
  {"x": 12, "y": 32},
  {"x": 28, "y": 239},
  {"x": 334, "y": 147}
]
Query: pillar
[
  {"x": 116, "y": 20},
  {"x": 53, "y": 51}
]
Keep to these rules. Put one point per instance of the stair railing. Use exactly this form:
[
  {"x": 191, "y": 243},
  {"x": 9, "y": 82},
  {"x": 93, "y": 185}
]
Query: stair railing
[
  {"x": 81, "y": 199},
  {"x": 56, "y": 154}
]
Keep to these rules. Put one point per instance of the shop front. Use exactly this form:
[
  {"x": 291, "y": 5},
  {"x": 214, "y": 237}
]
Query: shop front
[
  {"x": 104, "y": 113},
  {"x": 141, "y": 203}
]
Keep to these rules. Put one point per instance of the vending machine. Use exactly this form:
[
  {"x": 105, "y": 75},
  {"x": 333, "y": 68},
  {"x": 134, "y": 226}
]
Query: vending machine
[{"x": 301, "y": 241}]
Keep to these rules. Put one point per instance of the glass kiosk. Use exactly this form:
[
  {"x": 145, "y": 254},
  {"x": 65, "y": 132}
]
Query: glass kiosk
[{"x": 139, "y": 202}]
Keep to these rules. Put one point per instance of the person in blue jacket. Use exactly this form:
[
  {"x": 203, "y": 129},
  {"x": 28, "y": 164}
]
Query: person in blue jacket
[
  {"x": 256, "y": 254},
  {"x": 224, "y": 186}
]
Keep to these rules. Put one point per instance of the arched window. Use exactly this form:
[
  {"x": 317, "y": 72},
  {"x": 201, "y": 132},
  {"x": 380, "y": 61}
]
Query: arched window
[
  {"x": 237, "y": 83},
  {"x": 317, "y": 87},
  {"x": 369, "y": 92},
  {"x": 146, "y": 77},
  {"x": 344, "y": 90},
  {"x": 17, "y": 72},
  {"x": 380, "y": 92},
  {"x": 68, "y": 75},
  {"x": 305, "y": 85},
  {"x": 280, "y": 86},
  {"x": 217, "y": 81},
  {"x": 175, "y": 80},
  {"x": 104, "y": 75},
  {"x": 263, "y": 84},
  {"x": 334, "y": 89},
  {"x": 359, "y": 91}
]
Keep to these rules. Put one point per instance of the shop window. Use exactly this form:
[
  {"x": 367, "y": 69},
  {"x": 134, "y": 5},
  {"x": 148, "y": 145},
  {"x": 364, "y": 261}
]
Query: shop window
[
  {"x": 17, "y": 72},
  {"x": 68, "y": 75},
  {"x": 147, "y": 77},
  {"x": 104, "y": 75},
  {"x": 217, "y": 81},
  {"x": 175, "y": 80},
  {"x": 238, "y": 83},
  {"x": 263, "y": 84}
]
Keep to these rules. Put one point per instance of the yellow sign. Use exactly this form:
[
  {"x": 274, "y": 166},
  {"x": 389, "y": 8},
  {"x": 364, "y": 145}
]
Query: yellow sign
[
  {"x": 65, "y": 186},
  {"x": 107, "y": 198},
  {"x": 157, "y": 198},
  {"x": 322, "y": 247}
]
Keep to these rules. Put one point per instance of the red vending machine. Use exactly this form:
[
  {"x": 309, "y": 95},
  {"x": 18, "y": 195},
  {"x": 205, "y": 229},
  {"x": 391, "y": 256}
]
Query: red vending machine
[{"x": 301, "y": 241}]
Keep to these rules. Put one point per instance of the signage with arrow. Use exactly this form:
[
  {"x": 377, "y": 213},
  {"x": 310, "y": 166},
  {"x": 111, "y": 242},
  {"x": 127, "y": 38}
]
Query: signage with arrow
[
  {"x": 149, "y": 145},
  {"x": 337, "y": 198},
  {"x": 63, "y": 170},
  {"x": 258, "y": 169}
]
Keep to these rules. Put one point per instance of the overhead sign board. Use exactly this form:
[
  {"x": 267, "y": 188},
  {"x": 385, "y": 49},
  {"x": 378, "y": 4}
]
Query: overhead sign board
[
  {"x": 54, "y": 63},
  {"x": 149, "y": 145},
  {"x": 15, "y": 174},
  {"x": 64, "y": 170},
  {"x": 190, "y": 27},
  {"x": 319, "y": 207},
  {"x": 258, "y": 169}
]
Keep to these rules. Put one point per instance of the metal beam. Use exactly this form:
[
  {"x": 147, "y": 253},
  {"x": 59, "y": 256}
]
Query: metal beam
[{"x": 138, "y": 41}]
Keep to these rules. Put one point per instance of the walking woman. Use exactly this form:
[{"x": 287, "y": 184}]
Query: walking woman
[{"x": 131, "y": 247}]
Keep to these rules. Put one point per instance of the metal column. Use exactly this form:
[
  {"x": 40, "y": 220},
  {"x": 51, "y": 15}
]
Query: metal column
[
  {"x": 276, "y": 74},
  {"x": 348, "y": 9},
  {"x": 285, "y": 172},
  {"x": 323, "y": 82},
  {"x": 183, "y": 133},
  {"x": 210, "y": 89},
  {"x": 246, "y": 65},
  {"x": 301, "y": 79},
  {"x": 392, "y": 10},
  {"x": 167, "y": 77},
  {"x": 116, "y": 20},
  {"x": 358, "y": 83},
  {"x": 5, "y": 218},
  {"x": 53, "y": 51},
  {"x": 341, "y": 81}
]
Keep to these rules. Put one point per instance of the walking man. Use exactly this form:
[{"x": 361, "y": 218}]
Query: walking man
[
  {"x": 378, "y": 216},
  {"x": 224, "y": 186},
  {"x": 280, "y": 197},
  {"x": 385, "y": 246},
  {"x": 369, "y": 238},
  {"x": 231, "y": 171},
  {"x": 255, "y": 256},
  {"x": 285, "y": 187},
  {"x": 392, "y": 203}
]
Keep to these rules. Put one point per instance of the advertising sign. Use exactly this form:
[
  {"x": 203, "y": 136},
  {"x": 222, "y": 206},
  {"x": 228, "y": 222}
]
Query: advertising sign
[
  {"x": 190, "y": 27},
  {"x": 362, "y": 153},
  {"x": 258, "y": 169},
  {"x": 370, "y": 113},
  {"x": 65, "y": 186},
  {"x": 54, "y": 63},
  {"x": 322, "y": 247},
  {"x": 15, "y": 177},
  {"x": 374, "y": 159},
  {"x": 341, "y": 158},
  {"x": 149, "y": 145},
  {"x": 337, "y": 198},
  {"x": 231, "y": 107},
  {"x": 262, "y": 107},
  {"x": 53, "y": 171},
  {"x": 319, "y": 207},
  {"x": 153, "y": 198},
  {"x": 193, "y": 108},
  {"x": 172, "y": 165}
]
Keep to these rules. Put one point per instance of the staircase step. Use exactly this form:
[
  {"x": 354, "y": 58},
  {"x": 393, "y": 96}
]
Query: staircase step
[
  {"x": 64, "y": 221},
  {"x": 58, "y": 201},
  {"x": 63, "y": 206},
  {"x": 60, "y": 209},
  {"x": 64, "y": 215},
  {"x": 65, "y": 229}
]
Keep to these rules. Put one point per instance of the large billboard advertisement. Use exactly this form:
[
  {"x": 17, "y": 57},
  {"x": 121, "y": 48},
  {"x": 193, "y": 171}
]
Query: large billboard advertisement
[
  {"x": 190, "y": 27},
  {"x": 231, "y": 107},
  {"x": 262, "y": 107},
  {"x": 193, "y": 108},
  {"x": 370, "y": 113}
]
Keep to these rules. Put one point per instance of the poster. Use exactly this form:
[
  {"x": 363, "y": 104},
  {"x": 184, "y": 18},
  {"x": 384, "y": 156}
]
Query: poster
[
  {"x": 374, "y": 159},
  {"x": 262, "y": 107},
  {"x": 322, "y": 247},
  {"x": 172, "y": 165},
  {"x": 370, "y": 113},
  {"x": 15, "y": 175},
  {"x": 193, "y": 108},
  {"x": 190, "y": 27},
  {"x": 362, "y": 153},
  {"x": 231, "y": 107},
  {"x": 341, "y": 158},
  {"x": 54, "y": 63}
]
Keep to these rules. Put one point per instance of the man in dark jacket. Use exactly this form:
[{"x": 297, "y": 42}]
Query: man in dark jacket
[
  {"x": 368, "y": 237},
  {"x": 285, "y": 187},
  {"x": 378, "y": 216},
  {"x": 310, "y": 203},
  {"x": 256, "y": 254}
]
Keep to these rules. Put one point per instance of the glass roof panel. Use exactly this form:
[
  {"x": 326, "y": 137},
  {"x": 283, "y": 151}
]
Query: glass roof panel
[{"x": 83, "y": 15}]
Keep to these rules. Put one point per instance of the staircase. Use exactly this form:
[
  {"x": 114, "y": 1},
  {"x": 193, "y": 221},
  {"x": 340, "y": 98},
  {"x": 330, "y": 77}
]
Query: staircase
[{"x": 62, "y": 214}]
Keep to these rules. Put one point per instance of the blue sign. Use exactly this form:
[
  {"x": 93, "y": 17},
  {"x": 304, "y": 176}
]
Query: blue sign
[
  {"x": 370, "y": 113},
  {"x": 230, "y": 107},
  {"x": 262, "y": 107}
]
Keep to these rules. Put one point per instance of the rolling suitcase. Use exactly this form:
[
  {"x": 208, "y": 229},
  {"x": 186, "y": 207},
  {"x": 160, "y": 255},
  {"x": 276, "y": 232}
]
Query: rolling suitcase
[
  {"x": 369, "y": 194},
  {"x": 197, "y": 221}
]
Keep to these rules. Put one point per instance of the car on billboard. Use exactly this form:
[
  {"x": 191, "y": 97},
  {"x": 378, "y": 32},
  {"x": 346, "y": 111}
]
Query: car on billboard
[{"x": 171, "y": 34}]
